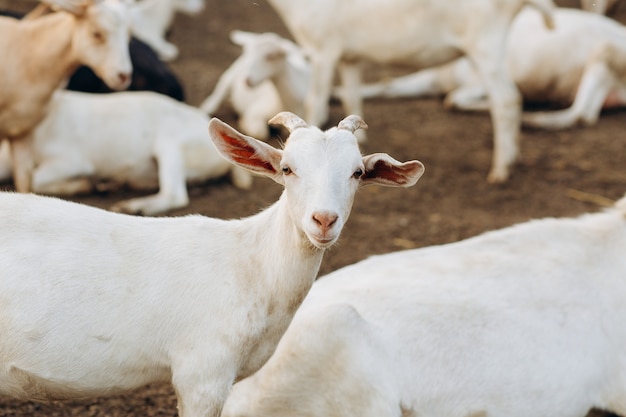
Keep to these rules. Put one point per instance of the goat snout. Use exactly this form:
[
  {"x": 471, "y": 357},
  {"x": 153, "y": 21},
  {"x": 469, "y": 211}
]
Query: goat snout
[{"x": 325, "y": 221}]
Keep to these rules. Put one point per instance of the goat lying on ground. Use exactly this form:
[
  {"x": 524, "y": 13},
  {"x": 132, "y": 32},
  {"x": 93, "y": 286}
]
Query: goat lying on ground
[
  {"x": 524, "y": 321},
  {"x": 93, "y": 302},
  {"x": 87, "y": 139},
  {"x": 271, "y": 75},
  {"x": 152, "y": 18},
  {"x": 98, "y": 38},
  {"x": 421, "y": 33},
  {"x": 585, "y": 78}
]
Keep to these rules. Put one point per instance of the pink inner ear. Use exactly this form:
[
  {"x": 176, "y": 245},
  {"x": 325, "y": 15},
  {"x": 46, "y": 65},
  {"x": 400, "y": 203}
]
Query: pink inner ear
[
  {"x": 389, "y": 173},
  {"x": 241, "y": 152}
]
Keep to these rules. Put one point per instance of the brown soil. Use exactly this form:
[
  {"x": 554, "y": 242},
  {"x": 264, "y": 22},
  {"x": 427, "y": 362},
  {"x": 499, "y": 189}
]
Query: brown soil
[{"x": 556, "y": 174}]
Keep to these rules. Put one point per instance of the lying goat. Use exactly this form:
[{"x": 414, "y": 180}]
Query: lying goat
[
  {"x": 94, "y": 302},
  {"x": 87, "y": 139},
  {"x": 587, "y": 78},
  {"x": 524, "y": 321}
]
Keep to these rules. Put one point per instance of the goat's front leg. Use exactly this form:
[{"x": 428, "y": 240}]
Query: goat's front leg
[
  {"x": 505, "y": 104},
  {"x": 351, "y": 99},
  {"x": 172, "y": 184},
  {"x": 202, "y": 386},
  {"x": 23, "y": 163},
  {"x": 323, "y": 70},
  {"x": 66, "y": 175}
]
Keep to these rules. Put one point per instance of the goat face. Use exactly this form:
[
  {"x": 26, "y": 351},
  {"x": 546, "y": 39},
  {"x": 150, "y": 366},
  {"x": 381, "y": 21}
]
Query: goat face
[{"x": 101, "y": 42}]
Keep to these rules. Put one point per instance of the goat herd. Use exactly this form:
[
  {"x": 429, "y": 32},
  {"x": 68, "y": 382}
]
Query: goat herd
[{"x": 526, "y": 320}]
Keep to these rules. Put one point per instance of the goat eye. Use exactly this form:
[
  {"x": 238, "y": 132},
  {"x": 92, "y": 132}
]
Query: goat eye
[
  {"x": 286, "y": 170},
  {"x": 98, "y": 36},
  {"x": 358, "y": 173}
]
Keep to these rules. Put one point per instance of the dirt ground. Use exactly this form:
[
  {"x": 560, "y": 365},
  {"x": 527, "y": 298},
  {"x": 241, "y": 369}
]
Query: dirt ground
[{"x": 559, "y": 174}]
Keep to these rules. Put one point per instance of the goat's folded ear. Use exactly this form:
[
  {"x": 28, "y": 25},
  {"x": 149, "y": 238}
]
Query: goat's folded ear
[
  {"x": 245, "y": 151},
  {"x": 382, "y": 169}
]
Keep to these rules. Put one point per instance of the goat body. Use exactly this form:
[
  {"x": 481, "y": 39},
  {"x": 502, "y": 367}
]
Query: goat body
[
  {"x": 94, "y": 302},
  {"x": 116, "y": 139},
  {"x": 422, "y": 33},
  {"x": 528, "y": 320}
]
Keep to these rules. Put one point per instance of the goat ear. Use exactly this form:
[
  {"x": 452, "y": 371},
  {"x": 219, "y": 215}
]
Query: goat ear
[
  {"x": 382, "y": 169},
  {"x": 245, "y": 151},
  {"x": 240, "y": 37}
]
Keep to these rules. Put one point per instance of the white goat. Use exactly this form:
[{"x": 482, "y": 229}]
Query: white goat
[
  {"x": 152, "y": 18},
  {"x": 40, "y": 54},
  {"x": 544, "y": 67},
  {"x": 524, "y": 321},
  {"x": 423, "y": 33},
  {"x": 271, "y": 75},
  {"x": 116, "y": 138},
  {"x": 94, "y": 302}
]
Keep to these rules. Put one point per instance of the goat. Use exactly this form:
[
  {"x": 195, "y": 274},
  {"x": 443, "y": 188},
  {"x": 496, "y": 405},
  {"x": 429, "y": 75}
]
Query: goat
[
  {"x": 152, "y": 18},
  {"x": 149, "y": 72},
  {"x": 421, "y": 33},
  {"x": 270, "y": 75},
  {"x": 527, "y": 320},
  {"x": 586, "y": 79},
  {"x": 77, "y": 147},
  {"x": 97, "y": 37},
  {"x": 94, "y": 302}
]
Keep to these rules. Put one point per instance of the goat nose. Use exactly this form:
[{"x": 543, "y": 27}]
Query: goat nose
[
  {"x": 123, "y": 77},
  {"x": 325, "y": 220}
]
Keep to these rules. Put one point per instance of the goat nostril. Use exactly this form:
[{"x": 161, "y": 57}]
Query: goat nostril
[
  {"x": 325, "y": 220},
  {"x": 123, "y": 77}
]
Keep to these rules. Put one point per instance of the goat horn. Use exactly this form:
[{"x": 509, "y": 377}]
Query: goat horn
[
  {"x": 288, "y": 120},
  {"x": 352, "y": 123}
]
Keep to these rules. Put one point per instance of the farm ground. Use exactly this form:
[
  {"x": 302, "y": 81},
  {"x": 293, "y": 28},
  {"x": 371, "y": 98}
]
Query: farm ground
[{"x": 559, "y": 174}]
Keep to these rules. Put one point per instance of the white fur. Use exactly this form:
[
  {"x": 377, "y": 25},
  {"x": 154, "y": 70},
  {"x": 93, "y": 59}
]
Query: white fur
[
  {"x": 421, "y": 33},
  {"x": 523, "y": 321},
  {"x": 116, "y": 139},
  {"x": 152, "y": 18},
  {"x": 94, "y": 302},
  {"x": 271, "y": 75},
  {"x": 544, "y": 67},
  {"x": 46, "y": 50}
]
